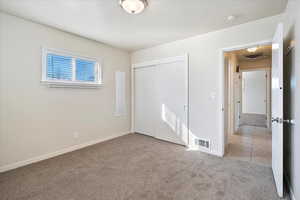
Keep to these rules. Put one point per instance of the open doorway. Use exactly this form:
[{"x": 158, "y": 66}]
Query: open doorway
[{"x": 247, "y": 104}]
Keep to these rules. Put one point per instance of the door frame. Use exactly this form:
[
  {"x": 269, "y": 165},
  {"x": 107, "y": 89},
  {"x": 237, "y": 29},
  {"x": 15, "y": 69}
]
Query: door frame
[
  {"x": 185, "y": 59},
  {"x": 222, "y": 51}
]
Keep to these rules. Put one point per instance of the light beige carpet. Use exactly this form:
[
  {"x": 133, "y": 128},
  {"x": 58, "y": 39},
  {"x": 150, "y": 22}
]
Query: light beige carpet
[{"x": 136, "y": 167}]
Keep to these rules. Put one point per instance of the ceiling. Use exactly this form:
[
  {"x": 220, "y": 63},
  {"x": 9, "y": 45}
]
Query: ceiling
[
  {"x": 163, "y": 21},
  {"x": 265, "y": 51}
]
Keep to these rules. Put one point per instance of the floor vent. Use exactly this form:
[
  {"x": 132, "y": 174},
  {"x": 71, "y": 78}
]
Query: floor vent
[{"x": 202, "y": 143}]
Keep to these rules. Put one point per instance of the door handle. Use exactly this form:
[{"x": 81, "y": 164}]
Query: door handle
[
  {"x": 288, "y": 121},
  {"x": 281, "y": 121}
]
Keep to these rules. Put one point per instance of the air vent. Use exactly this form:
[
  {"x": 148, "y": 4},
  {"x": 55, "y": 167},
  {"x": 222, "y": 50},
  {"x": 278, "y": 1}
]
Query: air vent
[{"x": 202, "y": 143}]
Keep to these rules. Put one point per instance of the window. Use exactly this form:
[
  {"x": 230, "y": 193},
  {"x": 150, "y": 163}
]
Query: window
[
  {"x": 65, "y": 69},
  {"x": 85, "y": 70},
  {"x": 59, "y": 67}
]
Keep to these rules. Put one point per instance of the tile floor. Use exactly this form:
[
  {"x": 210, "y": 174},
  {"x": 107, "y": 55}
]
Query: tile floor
[
  {"x": 253, "y": 120},
  {"x": 252, "y": 144}
]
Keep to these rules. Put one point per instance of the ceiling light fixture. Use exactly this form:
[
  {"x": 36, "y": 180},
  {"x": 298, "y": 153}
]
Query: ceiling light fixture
[
  {"x": 252, "y": 49},
  {"x": 134, "y": 6}
]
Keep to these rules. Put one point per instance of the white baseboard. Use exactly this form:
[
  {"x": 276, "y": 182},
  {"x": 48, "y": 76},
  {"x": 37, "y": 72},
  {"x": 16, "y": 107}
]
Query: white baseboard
[
  {"x": 290, "y": 189},
  {"x": 291, "y": 195},
  {"x": 218, "y": 154},
  {"x": 56, "y": 153}
]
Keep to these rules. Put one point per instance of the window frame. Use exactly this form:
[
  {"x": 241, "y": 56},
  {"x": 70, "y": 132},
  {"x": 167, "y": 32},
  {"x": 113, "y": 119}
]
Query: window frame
[{"x": 73, "y": 82}]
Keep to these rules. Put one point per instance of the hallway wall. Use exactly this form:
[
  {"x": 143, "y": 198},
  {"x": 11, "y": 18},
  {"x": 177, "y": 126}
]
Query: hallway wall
[{"x": 254, "y": 92}]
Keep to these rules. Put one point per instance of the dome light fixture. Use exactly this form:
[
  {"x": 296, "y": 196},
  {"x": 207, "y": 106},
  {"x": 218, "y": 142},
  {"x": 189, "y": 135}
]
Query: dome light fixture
[
  {"x": 134, "y": 6},
  {"x": 252, "y": 49}
]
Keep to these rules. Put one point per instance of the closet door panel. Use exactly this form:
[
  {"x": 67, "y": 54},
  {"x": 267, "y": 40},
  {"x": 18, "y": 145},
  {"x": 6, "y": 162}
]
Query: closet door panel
[
  {"x": 172, "y": 102},
  {"x": 145, "y": 104}
]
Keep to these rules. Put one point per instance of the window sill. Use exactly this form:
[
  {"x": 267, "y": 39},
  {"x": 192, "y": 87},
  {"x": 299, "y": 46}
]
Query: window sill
[{"x": 65, "y": 84}]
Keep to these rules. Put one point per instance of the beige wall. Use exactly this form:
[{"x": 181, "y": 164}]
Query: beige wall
[
  {"x": 230, "y": 95},
  {"x": 263, "y": 63},
  {"x": 254, "y": 92},
  {"x": 36, "y": 120},
  {"x": 206, "y": 72},
  {"x": 232, "y": 82},
  {"x": 258, "y": 65}
]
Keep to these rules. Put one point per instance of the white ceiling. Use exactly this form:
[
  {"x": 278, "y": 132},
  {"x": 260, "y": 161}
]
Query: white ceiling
[{"x": 163, "y": 21}]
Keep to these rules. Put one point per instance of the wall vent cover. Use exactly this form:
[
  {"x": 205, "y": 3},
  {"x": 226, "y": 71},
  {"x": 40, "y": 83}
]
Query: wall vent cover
[{"x": 202, "y": 143}]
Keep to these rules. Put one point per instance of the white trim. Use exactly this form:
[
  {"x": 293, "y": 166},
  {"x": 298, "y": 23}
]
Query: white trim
[
  {"x": 57, "y": 153},
  {"x": 161, "y": 61},
  {"x": 291, "y": 194},
  {"x": 255, "y": 69},
  {"x": 69, "y": 53},
  {"x": 132, "y": 100},
  {"x": 221, "y": 103},
  {"x": 73, "y": 69},
  {"x": 73, "y": 83},
  {"x": 186, "y": 60},
  {"x": 290, "y": 189},
  {"x": 184, "y": 57},
  {"x": 221, "y": 85},
  {"x": 248, "y": 45}
]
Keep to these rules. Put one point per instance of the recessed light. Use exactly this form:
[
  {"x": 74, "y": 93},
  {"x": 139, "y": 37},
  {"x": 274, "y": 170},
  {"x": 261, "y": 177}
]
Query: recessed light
[
  {"x": 252, "y": 49},
  {"x": 134, "y": 6}
]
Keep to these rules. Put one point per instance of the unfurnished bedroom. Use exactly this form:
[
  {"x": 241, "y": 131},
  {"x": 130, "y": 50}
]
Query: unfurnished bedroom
[{"x": 149, "y": 99}]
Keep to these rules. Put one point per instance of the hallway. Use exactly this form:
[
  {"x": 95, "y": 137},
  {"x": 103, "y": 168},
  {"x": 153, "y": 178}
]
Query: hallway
[{"x": 252, "y": 144}]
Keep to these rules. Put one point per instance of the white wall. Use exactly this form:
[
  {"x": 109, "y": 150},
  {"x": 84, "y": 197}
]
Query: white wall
[
  {"x": 205, "y": 71},
  {"x": 36, "y": 120},
  {"x": 254, "y": 92}
]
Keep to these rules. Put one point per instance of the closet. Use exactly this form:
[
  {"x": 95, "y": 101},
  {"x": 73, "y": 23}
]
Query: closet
[{"x": 161, "y": 99}]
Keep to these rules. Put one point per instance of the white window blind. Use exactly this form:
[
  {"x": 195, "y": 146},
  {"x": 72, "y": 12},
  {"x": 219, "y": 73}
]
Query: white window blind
[{"x": 59, "y": 67}]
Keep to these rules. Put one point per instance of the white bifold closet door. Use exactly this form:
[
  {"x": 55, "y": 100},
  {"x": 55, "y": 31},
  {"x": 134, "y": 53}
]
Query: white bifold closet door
[
  {"x": 161, "y": 101},
  {"x": 144, "y": 102}
]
